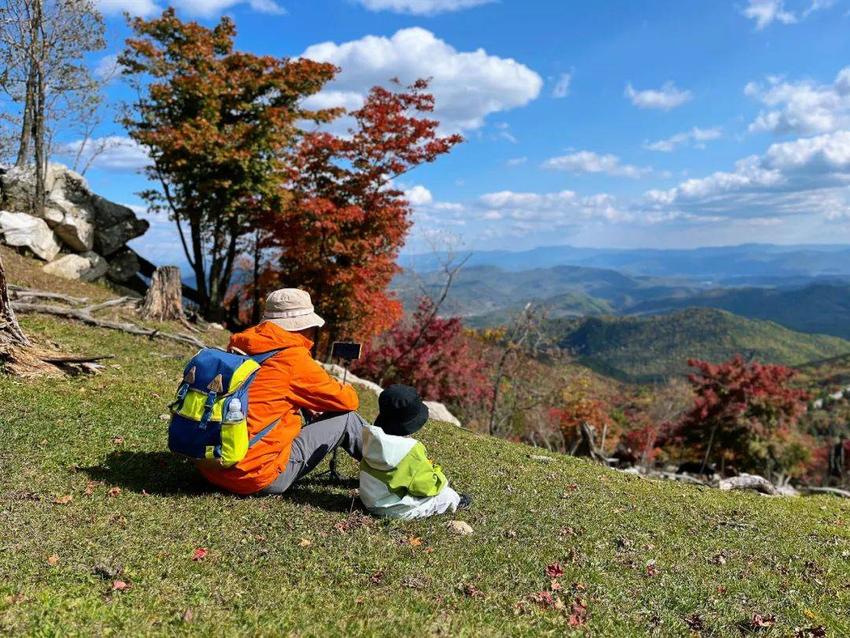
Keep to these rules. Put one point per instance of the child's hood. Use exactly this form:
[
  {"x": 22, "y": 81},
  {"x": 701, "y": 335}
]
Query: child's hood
[{"x": 384, "y": 451}]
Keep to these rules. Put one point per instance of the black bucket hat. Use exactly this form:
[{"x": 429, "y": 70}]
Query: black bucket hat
[{"x": 401, "y": 411}]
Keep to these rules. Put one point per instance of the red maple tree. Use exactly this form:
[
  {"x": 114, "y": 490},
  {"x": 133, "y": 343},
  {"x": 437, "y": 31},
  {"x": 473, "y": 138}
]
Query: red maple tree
[
  {"x": 433, "y": 354},
  {"x": 745, "y": 413},
  {"x": 341, "y": 233}
]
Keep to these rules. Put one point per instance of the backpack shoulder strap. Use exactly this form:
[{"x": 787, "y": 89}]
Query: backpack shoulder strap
[{"x": 265, "y": 356}]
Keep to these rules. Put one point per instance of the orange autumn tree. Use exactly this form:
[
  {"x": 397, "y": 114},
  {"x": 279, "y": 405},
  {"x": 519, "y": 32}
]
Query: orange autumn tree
[
  {"x": 347, "y": 220},
  {"x": 220, "y": 127}
]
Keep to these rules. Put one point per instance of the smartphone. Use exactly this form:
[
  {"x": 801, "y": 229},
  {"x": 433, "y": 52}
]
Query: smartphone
[{"x": 345, "y": 350}]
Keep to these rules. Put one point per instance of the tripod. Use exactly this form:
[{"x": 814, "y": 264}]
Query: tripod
[{"x": 331, "y": 472}]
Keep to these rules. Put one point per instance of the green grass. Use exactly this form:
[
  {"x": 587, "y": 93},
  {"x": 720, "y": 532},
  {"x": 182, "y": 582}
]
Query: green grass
[
  {"x": 312, "y": 564},
  {"x": 359, "y": 576}
]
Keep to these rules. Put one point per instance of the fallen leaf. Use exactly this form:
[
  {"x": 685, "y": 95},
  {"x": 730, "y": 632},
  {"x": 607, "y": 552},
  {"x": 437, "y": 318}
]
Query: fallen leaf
[
  {"x": 63, "y": 500},
  {"x": 578, "y": 613},
  {"x": 188, "y": 616},
  {"x": 414, "y": 541},
  {"x": 118, "y": 440},
  {"x": 90, "y": 486},
  {"x": 694, "y": 622},
  {"x": 120, "y": 585},
  {"x": 651, "y": 569},
  {"x": 305, "y": 542},
  {"x": 509, "y": 533},
  {"x": 810, "y": 632},
  {"x": 377, "y": 578},
  {"x": 200, "y": 553},
  {"x": 414, "y": 582},
  {"x": 461, "y": 528},
  {"x": 543, "y": 598},
  {"x": 555, "y": 586},
  {"x": 759, "y": 621},
  {"x": 164, "y": 417},
  {"x": 554, "y": 570},
  {"x": 113, "y": 491},
  {"x": 14, "y": 599},
  {"x": 53, "y": 560},
  {"x": 471, "y": 591}
]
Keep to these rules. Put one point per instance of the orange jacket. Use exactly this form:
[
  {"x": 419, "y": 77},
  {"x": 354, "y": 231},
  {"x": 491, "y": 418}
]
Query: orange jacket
[{"x": 286, "y": 382}]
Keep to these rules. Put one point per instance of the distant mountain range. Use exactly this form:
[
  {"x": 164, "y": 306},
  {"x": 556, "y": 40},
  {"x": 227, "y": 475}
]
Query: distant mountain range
[
  {"x": 725, "y": 265},
  {"x": 645, "y": 349}
]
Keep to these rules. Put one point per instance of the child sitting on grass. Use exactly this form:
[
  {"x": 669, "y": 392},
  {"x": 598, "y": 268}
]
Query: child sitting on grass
[{"x": 396, "y": 478}]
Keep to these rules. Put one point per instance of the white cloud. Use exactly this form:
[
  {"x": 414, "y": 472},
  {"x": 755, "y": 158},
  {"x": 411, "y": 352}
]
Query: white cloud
[
  {"x": 766, "y": 12},
  {"x": 467, "y": 86},
  {"x": 803, "y": 107},
  {"x": 590, "y": 162},
  {"x": 107, "y": 68},
  {"x": 422, "y": 7},
  {"x": 803, "y": 177},
  {"x": 562, "y": 86},
  {"x": 517, "y": 161},
  {"x": 419, "y": 195},
  {"x": 666, "y": 98},
  {"x": 203, "y": 8},
  {"x": 114, "y": 153},
  {"x": 696, "y": 137},
  {"x": 564, "y": 208}
]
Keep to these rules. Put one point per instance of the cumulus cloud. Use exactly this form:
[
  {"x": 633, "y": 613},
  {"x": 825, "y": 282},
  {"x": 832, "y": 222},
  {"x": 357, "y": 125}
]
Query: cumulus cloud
[
  {"x": 421, "y": 7},
  {"x": 467, "y": 86},
  {"x": 203, "y": 8},
  {"x": 590, "y": 162},
  {"x": 562, "y": 86},
  {"x": 806, "y": 176},
  {"x": 696, "y": 137},
  {"x": 113, "y": 153},
  {"x": 803, "y": 107},
  {"x": 419, "y": 195},
  {"x": 666, "y": 98},
  {"x": 107, "y": 68},
  {"x": 563, "y": 208},
  {"x": 766, "y": 12}
]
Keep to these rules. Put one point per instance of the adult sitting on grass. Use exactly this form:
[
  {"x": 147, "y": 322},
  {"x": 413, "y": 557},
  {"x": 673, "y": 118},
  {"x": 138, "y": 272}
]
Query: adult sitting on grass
[{"x": 287, "y": 383}]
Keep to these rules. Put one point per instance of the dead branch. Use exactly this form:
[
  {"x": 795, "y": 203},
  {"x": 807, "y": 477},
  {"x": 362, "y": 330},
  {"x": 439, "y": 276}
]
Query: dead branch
[
  {"x": 19, "y": 293},
  {"x": 827, "y": 490},
  {"x": 84, "y": 315}
]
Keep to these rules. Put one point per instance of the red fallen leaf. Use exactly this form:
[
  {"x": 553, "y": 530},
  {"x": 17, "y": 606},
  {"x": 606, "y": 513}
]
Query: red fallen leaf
[
  {"x": 555, "y": 585},
  {"x": 651, "y": 569},
  {"x": 120, "y": 585},
  {"x": 578, "y": 613},
  {"x": 759, "y": 621},
  {"x": 200, "y": 553},
  {"x": 543, "y": 598},
  {"x": 113, "y": 491},
  {"x": 554, "y": 570}
]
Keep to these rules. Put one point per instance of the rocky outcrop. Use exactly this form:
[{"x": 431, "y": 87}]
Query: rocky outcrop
[
  {"x": 90, "y": 231},
  {"x": 17, "y": 229},
  {"x": 87, "y": 267}
]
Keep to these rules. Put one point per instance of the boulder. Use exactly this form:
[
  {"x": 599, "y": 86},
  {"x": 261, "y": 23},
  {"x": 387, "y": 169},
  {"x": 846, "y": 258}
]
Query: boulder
[
  {"x": 123, "y": 265},
  {"x": 20, "y": 229},
  {"x": 86, "y": 267},
  {"x": 115, "y": 225},
  {"x": 439, "y": 412}
]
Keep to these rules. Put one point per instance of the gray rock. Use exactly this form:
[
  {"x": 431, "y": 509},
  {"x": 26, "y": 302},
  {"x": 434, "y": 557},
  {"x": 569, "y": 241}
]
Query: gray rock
[
  {"x": 20, "y": 229},
  {"x": 115, "y": 225},
  {"x": 86, "y": 267},
  {"x": 123, "y": 265},
  {"x": 439, "y": 412}
]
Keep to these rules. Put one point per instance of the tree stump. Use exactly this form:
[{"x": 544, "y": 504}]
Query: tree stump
[
  {"x": 10, "y": 330},
  {"x": 164, "y": 299}
]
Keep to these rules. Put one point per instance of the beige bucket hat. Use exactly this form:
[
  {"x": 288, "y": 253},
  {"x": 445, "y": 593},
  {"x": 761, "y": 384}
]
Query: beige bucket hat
[{"x": 292, "y": 309}]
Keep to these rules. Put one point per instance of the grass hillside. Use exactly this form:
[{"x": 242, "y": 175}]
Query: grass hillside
[
  {"x": 647, "y": 348},
  {"x": 817, "y": 308},
  {"x": 100, "y": 525}
]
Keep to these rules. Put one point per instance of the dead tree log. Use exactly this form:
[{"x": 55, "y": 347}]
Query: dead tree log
[
  {"x": 164, "y": 299},
  {"x": 748, "y": 482}
]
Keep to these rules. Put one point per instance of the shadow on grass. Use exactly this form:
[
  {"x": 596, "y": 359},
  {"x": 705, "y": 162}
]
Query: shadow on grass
[{"x": 165, "y": 474}]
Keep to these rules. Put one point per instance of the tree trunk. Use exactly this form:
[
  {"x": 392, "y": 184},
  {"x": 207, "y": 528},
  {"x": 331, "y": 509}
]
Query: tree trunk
[
  {"x": 10, "y": 330},
  {"x": 26, "y": 126},
  {"x": 164, "y": 299}
]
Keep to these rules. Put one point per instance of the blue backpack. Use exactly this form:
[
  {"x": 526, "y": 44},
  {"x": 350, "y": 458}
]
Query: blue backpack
[{"x": 208, "y": 417}]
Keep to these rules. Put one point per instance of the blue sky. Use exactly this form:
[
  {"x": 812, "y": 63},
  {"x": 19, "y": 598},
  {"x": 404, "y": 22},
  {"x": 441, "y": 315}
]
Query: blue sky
[{"x": 616, "y": 123}]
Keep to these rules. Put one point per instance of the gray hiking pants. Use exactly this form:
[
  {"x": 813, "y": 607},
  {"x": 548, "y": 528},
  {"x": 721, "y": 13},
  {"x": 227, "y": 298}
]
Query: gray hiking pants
[{"x": 315, "y": 441}]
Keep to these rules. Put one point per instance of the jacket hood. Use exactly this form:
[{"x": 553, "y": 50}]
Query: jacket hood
[
  {"x": 384, "y": 451},
  {"x": 267, "y": 336}
]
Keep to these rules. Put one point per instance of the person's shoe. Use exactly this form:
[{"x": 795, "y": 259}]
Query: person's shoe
[{"x": 465, "y": 502}]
